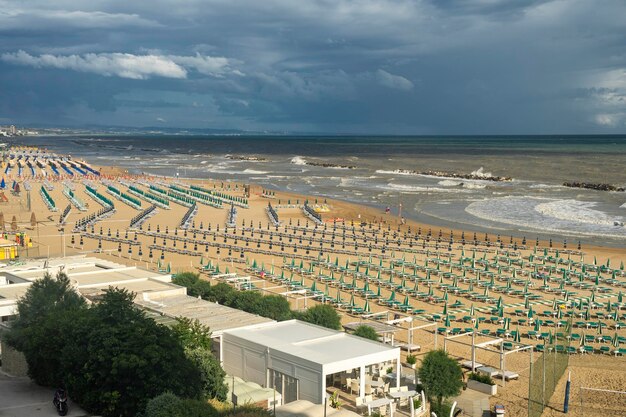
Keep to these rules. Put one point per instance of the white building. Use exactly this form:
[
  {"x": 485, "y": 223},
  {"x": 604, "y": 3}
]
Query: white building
[{"x": 296, "y": 357}]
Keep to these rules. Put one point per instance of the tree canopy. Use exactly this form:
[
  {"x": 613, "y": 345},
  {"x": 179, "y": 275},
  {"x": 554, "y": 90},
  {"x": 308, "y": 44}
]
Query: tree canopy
[
  {"x": 322, "y": 315},
  {"x": 124, "y": 358},
  {"x": 366, "y": 332},
  {"x": 45, "y": 315},
  {"x": 271, "y": 306},
  {"x": 441, "y": 376}
]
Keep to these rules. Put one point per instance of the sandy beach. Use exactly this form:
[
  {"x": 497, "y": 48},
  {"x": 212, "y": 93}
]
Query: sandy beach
[{"x": 427, "y": 275}]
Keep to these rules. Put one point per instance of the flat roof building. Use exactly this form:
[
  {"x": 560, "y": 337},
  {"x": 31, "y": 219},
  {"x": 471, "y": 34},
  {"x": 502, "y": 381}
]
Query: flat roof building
[{"x": 295, "y": 357}]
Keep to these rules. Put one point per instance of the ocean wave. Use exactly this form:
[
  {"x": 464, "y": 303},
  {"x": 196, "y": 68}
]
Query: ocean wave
[
  {"x": 253, "y": 171},
  {"x": 623, "y": 206},
  {"x": 419, "y": 189},
  {"x": 545, "y": 186},
  {"x": 473, "y": 185},
  {"x": 298, "y": 160},
  {"x": 565, "y": 217},
  {"x": 450, "y": 183},
  {"x": 395, "y": 172},
  {"x": 575, "y": 211}
]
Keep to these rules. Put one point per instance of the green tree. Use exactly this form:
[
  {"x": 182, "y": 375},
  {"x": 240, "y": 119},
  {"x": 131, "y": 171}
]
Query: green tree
[
  {"x": 164, "y": 405},
  {"x": 186, "y": 279},
  {"x": 322, "y": 315},
  {"x": 119, "y": 359},
  {"x": 275, "y": 307},
  {"x": 366, "y": 332},
  {"x": 192, "y": 334},
  {"x": 441, "y": 377},
  {"x": 220, "y": 293},
  {"x": 45, "y": 315},
  {"x": 211, "y": 373}
]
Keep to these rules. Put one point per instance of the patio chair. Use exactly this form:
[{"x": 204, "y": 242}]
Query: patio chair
[{"x": 354, "y": 387}]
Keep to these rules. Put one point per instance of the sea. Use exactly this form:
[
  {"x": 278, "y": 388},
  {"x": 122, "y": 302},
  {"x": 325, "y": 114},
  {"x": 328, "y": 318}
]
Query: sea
[{"x": 385, "y": 171}]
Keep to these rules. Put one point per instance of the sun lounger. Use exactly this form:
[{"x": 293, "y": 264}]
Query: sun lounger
[{"x": 508, "y": 375}]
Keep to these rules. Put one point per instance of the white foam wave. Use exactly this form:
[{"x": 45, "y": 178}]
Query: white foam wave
[
  {"x": 298, "y": 160},
  {"x": 419, "y": 189},
  {"x": 253, "y": 171},
  {"x": 473, "y": 185},
  {"x": 450, "y": 183},
  {"x": 623, "y": 206},
  {"x": 575, "y": 211},
  {"x": 566, "y": 217},
  {"x": 394, "y": 172}
]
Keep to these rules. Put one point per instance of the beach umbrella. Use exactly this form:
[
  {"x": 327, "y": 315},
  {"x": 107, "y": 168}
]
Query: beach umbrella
[
  {"x": 392, "y": 297},
  {"x": 471, "y": 285},
  {"x": 445, "y": 309},
  {"x": 621, "y": 265},
  {"x": 608, "y": 306},
  {"x": 476, "y": 324},
  {"x": 615, "y": 341},
  {"x": 600, "y": 326},
  {"x": 366, "y": 308},
  {"x": 501, "y": 312},
  {"x": 526, "y": 302},
  {"x": 352, "y": 303},
  {"x": 518, "y": 336},
  {"x": 486, "y": 292},
  {"x": 507, "y": 323},
  {"x": 537, "y": 327},
  {"x": 338, "y": 296},
  {"x": 530, "y": 313},
  {"x": 314, "y": 286},
  {"x": 406, "y": 302},
  {"x": 620, "y": 297},
  {"x": 447, "y": 322},
  {"x": 587, "y": 314},
  {"x": 472, "y": 312},
  {"x": 378, "y": 295},
  {"x": 499, "y": 304},
  {"x": 582, "y": 340},
  {"x": 445, "y": 295}
]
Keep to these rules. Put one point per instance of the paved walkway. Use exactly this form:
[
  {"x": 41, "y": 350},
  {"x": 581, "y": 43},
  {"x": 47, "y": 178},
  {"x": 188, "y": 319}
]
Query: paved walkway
[
  {"x": 21, "y": 397},
  {"x": 473, "y": 403}
]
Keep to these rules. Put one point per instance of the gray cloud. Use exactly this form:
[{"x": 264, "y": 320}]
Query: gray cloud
[{"x": 408, "y": 66}]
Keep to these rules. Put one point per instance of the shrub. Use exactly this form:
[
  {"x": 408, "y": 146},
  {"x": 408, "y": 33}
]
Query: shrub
[
  {"x": 164, "y": 405},
  {"x": 366, "y": 332},
  {"x": 322, "y": 315},
  {"x": 485, "y": 379},
  {"x": 411, "y": 359}
]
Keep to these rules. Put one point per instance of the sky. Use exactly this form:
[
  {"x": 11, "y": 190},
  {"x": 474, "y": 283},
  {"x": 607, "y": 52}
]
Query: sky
[{"x": 332, "y": 66}]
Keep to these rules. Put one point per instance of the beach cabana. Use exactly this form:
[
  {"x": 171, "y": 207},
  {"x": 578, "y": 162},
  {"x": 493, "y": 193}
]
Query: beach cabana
[{"x": 297, "y": 357}]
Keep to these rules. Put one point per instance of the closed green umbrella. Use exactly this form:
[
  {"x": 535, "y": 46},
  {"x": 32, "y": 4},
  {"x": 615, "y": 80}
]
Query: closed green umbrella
[
  {"x": 447, "y": 322},
  {"x": 583, "y": 342},
  {"x": 472, "y": 312},
  {"x": 445, "y": 309},
  {"x": 620, "y": 297},
  {"x": 518, "y": 336},
  {"x": 366, "y": 308},
  {"x": 537, "y": 327},
  {"x": 406, "y": 302},
  {"x": 499, "y": 304},
  {"x": 530, "y": 313}
]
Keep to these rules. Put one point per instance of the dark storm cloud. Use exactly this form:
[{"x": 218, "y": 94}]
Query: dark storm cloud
[{"x": 371, "y": 66}]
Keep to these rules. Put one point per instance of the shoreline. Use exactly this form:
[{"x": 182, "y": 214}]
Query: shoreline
[{"x": 373, "y": 212}]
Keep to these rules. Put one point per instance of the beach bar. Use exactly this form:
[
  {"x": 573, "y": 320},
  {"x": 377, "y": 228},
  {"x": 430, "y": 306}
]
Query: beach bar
[{"x": 296, "y": 358}]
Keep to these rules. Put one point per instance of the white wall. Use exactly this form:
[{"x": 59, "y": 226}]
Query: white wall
[{"x": 250, "y": 361}]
